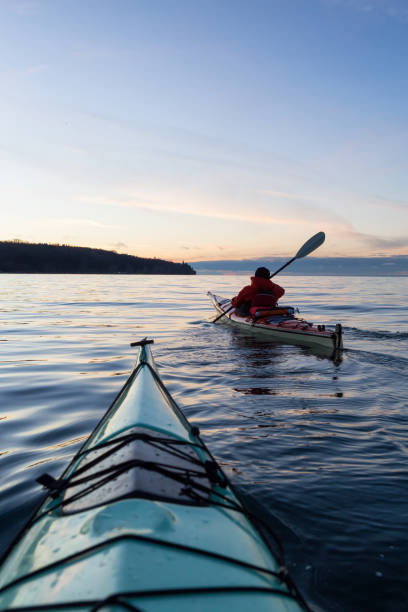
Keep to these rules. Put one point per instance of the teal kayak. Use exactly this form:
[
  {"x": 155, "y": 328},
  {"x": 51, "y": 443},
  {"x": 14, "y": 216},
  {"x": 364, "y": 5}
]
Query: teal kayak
[{"x": 145, "y": 519}]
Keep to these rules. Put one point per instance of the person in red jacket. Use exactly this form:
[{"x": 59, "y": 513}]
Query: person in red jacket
[{"x": 262, "y": 292}]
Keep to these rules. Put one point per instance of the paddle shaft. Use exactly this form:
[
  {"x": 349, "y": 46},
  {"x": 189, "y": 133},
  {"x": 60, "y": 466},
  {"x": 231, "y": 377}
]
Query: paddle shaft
[
  {"x": 284, "y": 266},
  {"x": 222, "y": 314}
]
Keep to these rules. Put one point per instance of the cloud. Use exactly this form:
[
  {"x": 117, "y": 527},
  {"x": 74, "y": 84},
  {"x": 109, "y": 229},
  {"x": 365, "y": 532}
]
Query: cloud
[
  {"x": 287, "y": 196},
  {"x": 37, "y": 68},
  {"x": 360, "y": 202},
  {"x": 379, "y": 242},
  {"x": 395, "y": 9},
  {"x": 75, "y": 150},
  {"x": 90, "y": 223},
  {"x": 256, "y": 213},
  {"x": 25, "y": 8},
  {"x": 119, "y": 245},
  {"x": 103, "y": 51},
  {"x": 387, "y": 203},
  {"x": 358, "y": 244}
]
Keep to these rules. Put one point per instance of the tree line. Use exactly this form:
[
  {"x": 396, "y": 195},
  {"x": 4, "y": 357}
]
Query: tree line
[{"x": 17, "y": 256}]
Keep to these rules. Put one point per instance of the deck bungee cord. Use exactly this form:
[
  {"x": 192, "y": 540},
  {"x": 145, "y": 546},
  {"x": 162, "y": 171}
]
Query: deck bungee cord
[
  {"x": 187, "y": 475},
  {"x": 179, "y": 474}
]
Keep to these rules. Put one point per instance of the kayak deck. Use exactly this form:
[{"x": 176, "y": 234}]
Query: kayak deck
[
  {"x": 144, "y": 519},
  {"x": 289, "y": 330}
]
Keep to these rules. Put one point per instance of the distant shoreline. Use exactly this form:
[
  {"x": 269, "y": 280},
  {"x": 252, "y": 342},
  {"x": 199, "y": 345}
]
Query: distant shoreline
[
  {"x": 312, "y": 275},
  {"x": 395, "y": 266},
  {"x": 17, "y": 257}
]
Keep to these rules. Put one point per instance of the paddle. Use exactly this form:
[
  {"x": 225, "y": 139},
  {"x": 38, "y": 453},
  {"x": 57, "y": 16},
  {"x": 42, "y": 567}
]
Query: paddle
[
  {"x": 310, "y": 245},
  {"x": 223, "y": 313}
]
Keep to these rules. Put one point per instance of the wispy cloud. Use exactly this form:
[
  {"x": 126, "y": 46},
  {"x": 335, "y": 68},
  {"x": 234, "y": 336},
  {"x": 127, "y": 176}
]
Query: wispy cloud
[
  {"x": 396, "y": 9},
  {"x": 320, "y": 203},
  {"x": 36, "y": 69},
  {"x": 119, "y": 245},
  {"x": 25, "y": 8},
  {"x": 388, "y": 203},
  {"x": 76, "y": 222},
  {"x": 288, "y": 196},
  {"x": 378, "y": 242},
  {"x": 94, "y": 51},
  {"x": 353, "y": 243},
  {"x": 261, "y": 213}
]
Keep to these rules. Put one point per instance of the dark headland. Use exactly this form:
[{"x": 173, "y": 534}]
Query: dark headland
[{"x": 28, "y": 258}]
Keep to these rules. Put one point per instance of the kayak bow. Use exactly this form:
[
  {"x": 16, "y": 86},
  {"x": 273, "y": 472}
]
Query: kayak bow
[{"x": 145, "y": 519}]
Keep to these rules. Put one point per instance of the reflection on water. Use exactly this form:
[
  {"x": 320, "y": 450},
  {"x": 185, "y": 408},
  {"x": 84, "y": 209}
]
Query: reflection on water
[
  {"x": 269, "y": 391},
  {"x": 257, "y": 341},
  {"x": 319, "y": 445},
  {"x": 257, "y": 391}
]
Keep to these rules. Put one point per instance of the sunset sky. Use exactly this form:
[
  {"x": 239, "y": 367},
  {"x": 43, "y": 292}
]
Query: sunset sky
[{"x": 193, "y": 130}]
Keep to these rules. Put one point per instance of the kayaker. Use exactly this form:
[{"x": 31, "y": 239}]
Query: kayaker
[{"x": 262, "y": 292}]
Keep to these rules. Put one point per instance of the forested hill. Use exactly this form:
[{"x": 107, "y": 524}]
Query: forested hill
[{"x": 25, "y": 257}]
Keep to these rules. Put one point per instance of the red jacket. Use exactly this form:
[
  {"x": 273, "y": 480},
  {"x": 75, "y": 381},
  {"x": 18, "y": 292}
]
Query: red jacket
[{"x": 258, "y": 285}]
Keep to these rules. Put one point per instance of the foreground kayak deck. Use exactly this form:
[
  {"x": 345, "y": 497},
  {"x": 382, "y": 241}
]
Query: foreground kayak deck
[
  {"x": 291, "y": 331},
  {"x": 144, "y": 519}
]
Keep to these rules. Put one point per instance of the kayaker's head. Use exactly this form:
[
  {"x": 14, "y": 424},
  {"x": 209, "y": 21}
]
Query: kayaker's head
[{"x": 262, "y": 272}]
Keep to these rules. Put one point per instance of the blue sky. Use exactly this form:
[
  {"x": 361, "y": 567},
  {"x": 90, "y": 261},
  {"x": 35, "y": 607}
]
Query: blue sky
[{"x": 205, "y": 130}]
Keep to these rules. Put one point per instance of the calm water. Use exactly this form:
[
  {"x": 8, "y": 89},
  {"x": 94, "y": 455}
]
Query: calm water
[{"x": 320, "y": 448}]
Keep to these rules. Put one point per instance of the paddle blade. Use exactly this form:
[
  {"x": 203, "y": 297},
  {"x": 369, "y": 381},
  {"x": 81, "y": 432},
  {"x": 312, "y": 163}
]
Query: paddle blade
[{"x": 311, "y": 245}]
